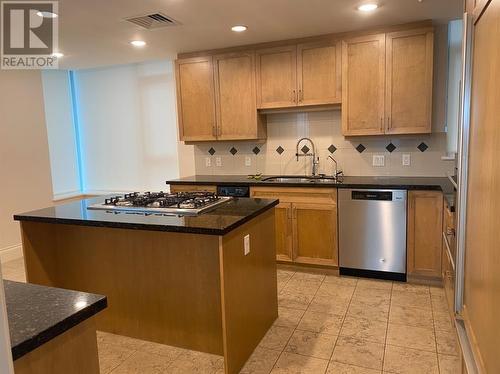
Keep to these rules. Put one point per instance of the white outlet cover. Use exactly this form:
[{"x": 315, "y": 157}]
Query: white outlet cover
[
  {"x": 378, "y": 160},
  {"x": 208, "y": 162},
  {"x": 248, "y": 161},
  {"x": 218, "y": 161},
  {"x": 246, "y": 244},
  {"x": 406, "y": 159}
]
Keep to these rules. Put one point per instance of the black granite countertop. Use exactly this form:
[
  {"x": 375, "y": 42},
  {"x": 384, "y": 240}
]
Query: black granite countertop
[
  {"x": 219, "y": 221},
  {"x": 38, "y": 314},
  {"x": 404, "y": 183}
]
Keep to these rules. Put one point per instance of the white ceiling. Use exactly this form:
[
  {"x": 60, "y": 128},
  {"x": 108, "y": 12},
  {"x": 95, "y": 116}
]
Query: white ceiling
[{"x": 92, "y": 32}]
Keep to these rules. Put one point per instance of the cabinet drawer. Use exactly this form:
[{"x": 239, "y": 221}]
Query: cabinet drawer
[
  {"x": 192, "y": 188},
  {"x": 297, "y": 195}
]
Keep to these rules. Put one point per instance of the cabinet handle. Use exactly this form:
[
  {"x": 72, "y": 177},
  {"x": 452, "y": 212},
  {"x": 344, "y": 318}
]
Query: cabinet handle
[
  {"x": 294, "y": 213},
  {"x": 389, "y": 122},
  {"x": 219, "y": 131},
  {"x": 301, "y": 95},
  {"x": 214, "y": 130},
  {"x": 381, "y": 124},
  {"x": 289, "y": 213},
  {"x": 294, "y": 97}
]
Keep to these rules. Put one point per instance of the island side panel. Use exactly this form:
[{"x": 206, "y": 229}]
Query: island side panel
[
  {"x": 249, "y": 288},
  {"x": 161, "y": 286},
  {"x": 74, "y": 351}
]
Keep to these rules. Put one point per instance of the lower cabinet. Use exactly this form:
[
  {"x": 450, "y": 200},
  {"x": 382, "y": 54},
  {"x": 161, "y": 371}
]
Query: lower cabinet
[
  {"x": 424, "y": 240},
  {"x": 306, "y": 224}
]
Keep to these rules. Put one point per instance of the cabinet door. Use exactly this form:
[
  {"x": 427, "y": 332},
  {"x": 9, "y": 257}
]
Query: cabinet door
[
  {"x": 236, "y": 108},
  {"x": 363, "y": 85},
  {"x": 409, "y": 81},
  {"x": 315, "y": 233},
  {"x": 319, "y": 73},
  {"x": 425, "y": 224},
  {"x": 195, "y": 99},
  {"x": 283, "y": 214},
  {"x": 276, "y": 70}
]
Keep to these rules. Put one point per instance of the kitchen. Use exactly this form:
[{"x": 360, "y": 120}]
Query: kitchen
[{"x": 232, "y": 196}]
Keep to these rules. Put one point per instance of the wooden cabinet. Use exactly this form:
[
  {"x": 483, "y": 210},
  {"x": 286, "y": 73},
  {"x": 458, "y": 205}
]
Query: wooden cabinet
[
  {"x": 192, "y": 188},
  {"x": 216, "y": 98},
  {"x": 299, "y": 75},
  {"x": 283, "y": 215},
  {"x": 306, "y": 224},
  {"x": 235, "y": 104},
  {"x": 196, "y": 99},
  {"x": 314, "y": 233},
  {"x": 387, "y": 83},
  {"x": 408, "y": 99},
  {"x": 363, "y": 85},
  {"x": 425, "y": 224},
  {"x": 276, "y": 70},
  {"x": 319, "y": 73}
]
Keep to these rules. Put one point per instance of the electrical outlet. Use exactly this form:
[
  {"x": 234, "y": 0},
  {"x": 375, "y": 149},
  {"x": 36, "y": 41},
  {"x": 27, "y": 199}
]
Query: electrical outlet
[
  {"x": 246, "y": 244},
  {"x": 218, "y": 161},
  {"x": 248, "y": 161},
  {"x": 378, "y": 160},
  {"x": 406, "y": 159},
  {"x": 208, "y": 162}
]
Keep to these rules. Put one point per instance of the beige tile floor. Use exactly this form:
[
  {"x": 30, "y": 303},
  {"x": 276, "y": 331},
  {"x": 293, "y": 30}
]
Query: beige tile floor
[{"x": 327, "y": 324}]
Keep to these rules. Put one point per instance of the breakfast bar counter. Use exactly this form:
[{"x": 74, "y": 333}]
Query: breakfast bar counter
[{"x": 205, "y": 282}]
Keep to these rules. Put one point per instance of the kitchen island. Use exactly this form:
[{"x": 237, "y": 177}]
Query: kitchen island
[{"x": 184, "y": 281}]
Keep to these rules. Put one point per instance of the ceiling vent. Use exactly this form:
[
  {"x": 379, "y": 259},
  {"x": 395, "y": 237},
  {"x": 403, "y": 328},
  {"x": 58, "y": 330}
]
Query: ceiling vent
[{"x": 153, "y": 21}]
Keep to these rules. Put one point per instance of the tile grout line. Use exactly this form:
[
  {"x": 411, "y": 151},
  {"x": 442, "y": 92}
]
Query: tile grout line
[
  {"x": 295, "y": 328},
  {"x": 387, "y": 327},
  {"x": 434, "y": 329}
]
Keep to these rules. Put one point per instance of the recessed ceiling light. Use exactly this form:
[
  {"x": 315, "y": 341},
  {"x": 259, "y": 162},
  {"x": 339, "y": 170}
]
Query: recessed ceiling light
[
  {"x": 370, "y": 7},
  {"x": 57, "y": 54},
  {"x": 239, "y": 28},
  {"x": 138, "y": 43},
  {"x": 45, "y": 14}
]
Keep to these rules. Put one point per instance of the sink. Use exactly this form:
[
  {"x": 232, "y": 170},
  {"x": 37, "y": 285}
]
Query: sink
[{"x": 297, "y": 179}]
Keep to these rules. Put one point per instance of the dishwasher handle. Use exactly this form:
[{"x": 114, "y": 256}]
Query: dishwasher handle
[{"x": 371, "y": 195}]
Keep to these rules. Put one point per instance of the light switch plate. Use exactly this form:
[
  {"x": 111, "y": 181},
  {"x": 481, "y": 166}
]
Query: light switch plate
[
  {"x": 246, "y": 244},
  {"x": 378, "y": 160},
  {"x": 208, "y": 162},
  {"x": 406, "y": 159},
  {"x": 248, "y": 161},
  {"x": 218, "y": 161}
]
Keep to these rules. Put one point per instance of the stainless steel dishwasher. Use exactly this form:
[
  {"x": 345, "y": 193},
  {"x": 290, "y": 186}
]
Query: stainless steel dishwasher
[{"x": 372, "y": 233}]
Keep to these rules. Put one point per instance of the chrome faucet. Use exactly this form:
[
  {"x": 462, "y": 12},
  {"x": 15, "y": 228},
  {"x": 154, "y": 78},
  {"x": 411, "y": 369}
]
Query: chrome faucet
[
  {"x": 336, "y": 166},
  {"x": 315, "y": 161}
]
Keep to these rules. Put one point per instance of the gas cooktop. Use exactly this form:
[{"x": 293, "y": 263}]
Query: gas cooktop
[{"x": 183, "y": 203}]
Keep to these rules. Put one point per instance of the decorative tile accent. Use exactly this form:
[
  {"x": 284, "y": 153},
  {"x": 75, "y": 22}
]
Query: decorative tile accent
[
  {"x": 360, "y": 148},
  {"x": 233, "y": 151},
  {"x": 256, "y": 150},
  {"x": 280, "y": 150},
  {"x": 211, "y": 151},
  {"x": 305, "y": 149},
  {"x": 332, "y": 148},
  {"x": 422, "y": 147},
  {"x": 390, "y": 147}
]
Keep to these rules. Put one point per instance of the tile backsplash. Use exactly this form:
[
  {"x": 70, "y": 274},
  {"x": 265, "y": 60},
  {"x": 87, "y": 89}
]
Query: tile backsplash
[{"x": 354, "y": 155}]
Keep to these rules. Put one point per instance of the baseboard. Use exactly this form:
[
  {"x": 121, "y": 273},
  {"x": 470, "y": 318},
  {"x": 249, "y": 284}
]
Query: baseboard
[{"x": 11, "y": 253}]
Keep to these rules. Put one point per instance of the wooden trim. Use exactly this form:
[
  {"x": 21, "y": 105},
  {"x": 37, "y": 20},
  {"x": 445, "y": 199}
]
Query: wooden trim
[
  {"x": 325, "y": 37},
  {"x": 192, "y": 187},
  {"x": 473, "y": 340},
  {"x": 74, "y": 351}
]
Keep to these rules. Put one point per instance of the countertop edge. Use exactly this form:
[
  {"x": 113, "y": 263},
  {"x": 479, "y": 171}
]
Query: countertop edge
[
  {"x": 146, "y": 226},
  {"x": 48, "y": 334}
]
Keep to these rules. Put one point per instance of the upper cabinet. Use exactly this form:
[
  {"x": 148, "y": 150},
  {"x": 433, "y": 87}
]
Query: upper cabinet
[
  {"x": 235, "y": 105},
  {"x": 408, "y": 99},
  {"x": 387, "y": 83},
  {"x": 299, "y": 75},
  {"x": 363, "y": 85},
  {"x": 196, "y": 99},
  {"x": 319, "y": 72},
  {"x": 277, "y": 77},
  {"x": 383, "y": 82}
]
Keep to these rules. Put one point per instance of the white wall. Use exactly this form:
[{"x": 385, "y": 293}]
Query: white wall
[
  {"x": 24, "y": 157},
  {"x": 128, "y": 127},
  {"x": 61, "y": 133}
]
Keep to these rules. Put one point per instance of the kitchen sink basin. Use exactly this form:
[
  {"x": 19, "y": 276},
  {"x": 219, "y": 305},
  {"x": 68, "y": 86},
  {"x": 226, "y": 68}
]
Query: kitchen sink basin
[{"x": 294, "y": 179}]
